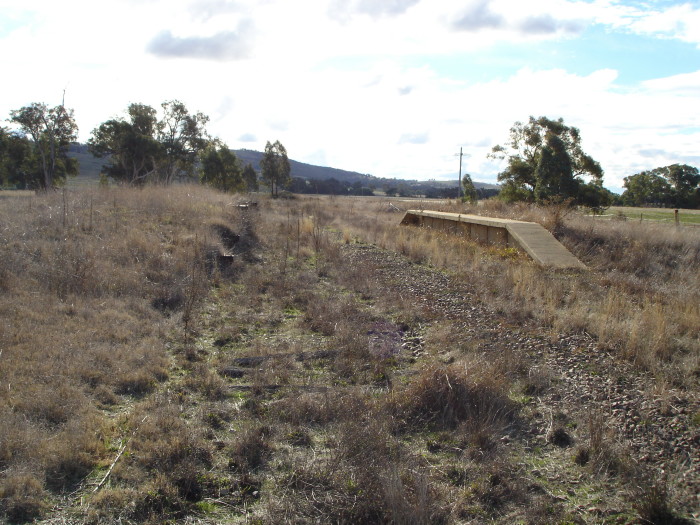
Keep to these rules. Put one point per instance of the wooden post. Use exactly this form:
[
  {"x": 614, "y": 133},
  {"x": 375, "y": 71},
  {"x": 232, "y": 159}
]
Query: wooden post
[{"x": 675, "y": 216}]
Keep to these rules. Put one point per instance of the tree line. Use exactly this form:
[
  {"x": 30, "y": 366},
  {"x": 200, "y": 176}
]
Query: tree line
[
  {"x": 677, "y": 185},
  {"x": 144, "y": 146},
  {"x": 544, "y": 160}
]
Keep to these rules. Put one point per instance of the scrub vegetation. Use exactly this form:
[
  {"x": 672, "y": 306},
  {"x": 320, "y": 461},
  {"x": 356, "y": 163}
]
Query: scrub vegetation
[{"x": 169, "y": 355}]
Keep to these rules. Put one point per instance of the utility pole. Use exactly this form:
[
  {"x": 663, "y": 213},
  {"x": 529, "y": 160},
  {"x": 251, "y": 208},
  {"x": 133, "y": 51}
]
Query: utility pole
[
  {"x": 459, "y": 187},
  {"x": 459, "y": 182}
]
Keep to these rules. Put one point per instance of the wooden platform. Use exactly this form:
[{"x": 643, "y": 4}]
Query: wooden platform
[{"x": 528, "y": 237}]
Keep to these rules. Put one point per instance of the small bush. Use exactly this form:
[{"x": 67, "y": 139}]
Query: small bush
[
  {"x": 137, "y": 383},
  {"x": 251, "y": 450},
  {"x": 653, "y": 504},
  {"x": 23, "y": 498},
  {"x": 442, "y": 397},
  {"x": 204, "y": 380}
]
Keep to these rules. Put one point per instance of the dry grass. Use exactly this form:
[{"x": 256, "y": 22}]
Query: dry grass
[
  {"x": 93, "y": 284},
  {"x": 641, "y": 297},
  {"x": 126, "y": 313},
  {"x": 470, "y": 394}
]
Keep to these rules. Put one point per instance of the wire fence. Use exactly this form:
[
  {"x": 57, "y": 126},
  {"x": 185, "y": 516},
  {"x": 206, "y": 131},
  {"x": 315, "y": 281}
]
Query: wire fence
[{"x": 677, "y": 219}]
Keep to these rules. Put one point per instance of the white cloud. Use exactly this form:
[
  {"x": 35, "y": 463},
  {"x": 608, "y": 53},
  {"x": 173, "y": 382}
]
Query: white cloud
[
  {"x": 679, "y": 22},
  {"x": 224, "y": 45},
  {"x": 343, "y": 10}
]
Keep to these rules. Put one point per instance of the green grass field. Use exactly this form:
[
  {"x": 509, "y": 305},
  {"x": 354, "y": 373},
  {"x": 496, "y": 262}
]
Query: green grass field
[
  {"x": 656, "y": 214},
  {"x": 16, "y": 193}
]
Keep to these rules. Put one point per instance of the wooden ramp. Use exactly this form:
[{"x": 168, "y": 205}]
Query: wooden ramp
[{"x": 528, "y": 237}]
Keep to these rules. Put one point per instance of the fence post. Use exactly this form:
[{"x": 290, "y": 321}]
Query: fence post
[{"x": 675, "y": 215}]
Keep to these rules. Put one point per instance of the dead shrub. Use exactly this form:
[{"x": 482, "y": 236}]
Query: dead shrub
[
  {"x": 135, "y": 383},
  {"x": 168, "y": 300},
  {"x": 113, "y": 504},
  {"x": 408, "y": 498},
  {"x": 164, "y": 442},
  {"x": 171, "y": 450},
  {"x": 157, "y": 499},
  {"x": 322, "y": 315},
  {"x": 72, "y": 454},
  {"x": 537, "y": 382},
  {"x": 559, "y": 437},
  {"x": 299, "y": 437},
  {"x": 443, "y": 397},
  {"x": 602, "y": 452},
  {"x": 653, "y": 504},
  {"x": 23, "y": 498},
  {"x": 251, "y": 450},
  {"x": 324, "y": 494},
  {"x": 67, "y": 466},
  {"x": 311, "y": 408},
  {"x": 364, "y": 440},
  {"x": 18, "y": 438},
  {"x": 52, "y": 404},
  {"x": 204, "y": 380}
]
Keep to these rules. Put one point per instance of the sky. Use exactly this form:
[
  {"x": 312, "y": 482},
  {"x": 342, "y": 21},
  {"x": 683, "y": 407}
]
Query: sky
[{"x": 391, "y": 88}]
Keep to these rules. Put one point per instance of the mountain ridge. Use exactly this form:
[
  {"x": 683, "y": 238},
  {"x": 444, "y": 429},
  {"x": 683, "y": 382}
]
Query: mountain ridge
[
  {"x": 314, "y": 172},
  {"x": 90, "y": 168}
]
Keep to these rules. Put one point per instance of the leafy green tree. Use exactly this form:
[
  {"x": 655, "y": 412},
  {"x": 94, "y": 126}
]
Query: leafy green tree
[
  {"x": 220, "y": 168},
  {"x": 646, "y": 188},
  {"x": 595, "y": 197},
  {"x": 18, "y": 166},
  {"x": 130, "y": 145},
  {"x": 675, "y": 185},
  {"x": 183, "y": 137},
  {"x": 554, "y": 176},
  {"x": 545, "y": 162},
  {"x": 469, "y": 190},
  {"x": 143, "y": 148},
  {"x": 685, "y": 184},
  {"x": 275, "y": 166},
  {"x": 50, "y": 132},
  {"x": 250, "y": 177}
]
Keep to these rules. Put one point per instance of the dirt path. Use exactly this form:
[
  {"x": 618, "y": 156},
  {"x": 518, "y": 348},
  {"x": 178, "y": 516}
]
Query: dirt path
[{"x": 652, "y": 427}]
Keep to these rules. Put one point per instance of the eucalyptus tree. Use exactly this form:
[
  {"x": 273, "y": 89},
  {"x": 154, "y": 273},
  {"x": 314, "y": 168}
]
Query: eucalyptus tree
[
  {"x": 50, "y": 131},
  {"x": 675, "y": 185},
  {"x": 250, "y": 177},
  {"x": 130, "y": 145},
  {"x": 469, "y": 190},
  {"x": 220, "y": 168},
  {"x": 17, "y": 162},
  {"x": 275, "y": 166},
  {"x": 545, "y": 162},
  {"x": 143, "y": 147},
  {"x": 182, "y": 137}
]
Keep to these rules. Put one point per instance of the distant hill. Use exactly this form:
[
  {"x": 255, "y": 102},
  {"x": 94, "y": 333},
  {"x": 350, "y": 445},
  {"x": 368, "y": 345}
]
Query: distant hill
[
  {"x": 310, "y": 171},
  {"x": 305, "y": 171},
  {"x": 91, "y": 166}
]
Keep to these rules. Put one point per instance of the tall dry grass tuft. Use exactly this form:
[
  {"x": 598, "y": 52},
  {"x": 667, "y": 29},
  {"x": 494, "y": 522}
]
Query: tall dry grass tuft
[
  {"x": 23, "y": 497},
  {"x": 468, "y": 394}
]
